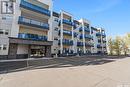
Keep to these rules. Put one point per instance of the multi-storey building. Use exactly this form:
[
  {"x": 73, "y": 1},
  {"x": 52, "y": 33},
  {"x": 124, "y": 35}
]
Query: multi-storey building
[
  {"x": 99, "y": 39},
  {"x": 66, "y": 33},
  {"x": 34, "y": 30},
  {"x": 85, "y": 35},
  {"x": 24, "y": 33}
]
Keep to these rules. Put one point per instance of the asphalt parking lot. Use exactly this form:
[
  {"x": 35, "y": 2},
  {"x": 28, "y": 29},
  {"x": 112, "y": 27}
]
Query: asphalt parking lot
[
  {"x": 72, "y": 72},
  {"x": 7, "y": 66}
]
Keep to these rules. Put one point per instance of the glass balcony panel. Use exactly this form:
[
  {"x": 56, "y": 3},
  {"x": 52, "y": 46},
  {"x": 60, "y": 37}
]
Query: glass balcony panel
[
  {"x": 33, "y": 23},
  {"x": 35, "y": 8},
  {"x": 32, "y": 37}
]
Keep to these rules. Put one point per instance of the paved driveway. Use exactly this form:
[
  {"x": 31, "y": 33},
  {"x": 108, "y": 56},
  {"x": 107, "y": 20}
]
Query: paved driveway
[{"x": 112, "y": 74}]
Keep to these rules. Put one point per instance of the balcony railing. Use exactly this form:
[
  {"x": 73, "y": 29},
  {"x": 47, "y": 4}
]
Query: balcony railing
[
  {"x": 104, "y": 41},
  {"x": 75, "y": 34},
  {"x": 32, "y": 23},
  {"x": 89, "y": 44},
  {"x": 85, "y": 29},
  {"x": 80, "y": 44},
  {"x": 104, "y": 35},
  {"x": 99, "y": 46},
  {"x": 68, "y": 22},
  {"x": 98, "y": 34},
  {"x": 67, "y": 32},
  {"x": 99, "y": 40},
  {"x": 32, "y": 37},
  {"x": 86, "y": 36},
  {"x": 35, "y": 8},
  {"x": 67, "y": 42}
]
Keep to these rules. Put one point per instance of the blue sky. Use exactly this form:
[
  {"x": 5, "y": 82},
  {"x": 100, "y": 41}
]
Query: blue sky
[{"x": 113, "y": 15}]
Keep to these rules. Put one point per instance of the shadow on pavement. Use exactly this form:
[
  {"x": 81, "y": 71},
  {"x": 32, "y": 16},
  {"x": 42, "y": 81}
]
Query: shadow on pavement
[{"x": 8, "y": 67}]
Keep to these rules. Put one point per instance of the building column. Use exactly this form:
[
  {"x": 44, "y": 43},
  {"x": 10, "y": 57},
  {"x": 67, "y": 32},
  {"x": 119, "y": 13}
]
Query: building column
[
  {"x": 48, "y": 51},
  {"x": 29, "y": 51},
  {"x": 73, "y": 37},
  {"x": 61, "y": 33},
  {"x": 12, "y": 54},
  {"x": 84, "y": 48}
]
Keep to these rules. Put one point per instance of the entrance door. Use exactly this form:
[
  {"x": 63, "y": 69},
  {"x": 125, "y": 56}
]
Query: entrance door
[{"x": 37, "y": 51}]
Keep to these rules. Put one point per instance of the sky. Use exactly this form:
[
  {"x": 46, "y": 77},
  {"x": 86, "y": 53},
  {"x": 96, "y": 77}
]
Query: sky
[{"x": 112, "y": 15}]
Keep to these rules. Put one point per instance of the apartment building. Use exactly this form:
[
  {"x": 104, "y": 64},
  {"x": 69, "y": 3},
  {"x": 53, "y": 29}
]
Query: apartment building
[
  {"x": 99, "y": 39},
  {"x": 76, "y": 37},
  {"x": 85, "y": 35},
  {"x": 27, "y": 31},
  {"x": 33, "y": 29}
]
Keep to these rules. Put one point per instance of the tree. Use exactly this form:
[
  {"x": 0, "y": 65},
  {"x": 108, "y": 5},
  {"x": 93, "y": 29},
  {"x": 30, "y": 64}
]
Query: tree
[
  {"x": 110, "y": 45},
  {"x": 117, "y": 45},
  {"x": 125, "y": 44}
]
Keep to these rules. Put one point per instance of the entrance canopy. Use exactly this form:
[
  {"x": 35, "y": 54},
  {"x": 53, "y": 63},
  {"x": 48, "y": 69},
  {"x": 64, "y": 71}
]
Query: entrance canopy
[{"x": 29, "y": 42}]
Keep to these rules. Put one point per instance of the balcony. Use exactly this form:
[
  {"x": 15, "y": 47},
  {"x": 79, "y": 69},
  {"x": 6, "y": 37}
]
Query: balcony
[
  {"x": 80, "y": 29},
  {"x": 99, "y": 46},
  {"x": 89, "y": 44},
  {"x": 99, "y": 40},
  {"x": 32, "y": 37},
  {"x": 85, "y": 29},
  {"x": 75, "y": 34},
  {"x": 67, "y": 42},
  {"x": 104, "y": 41},
  {"x": 80, "y": 44},
  {"x": 98, "y": 34},
  {"x": 104, "y": 35},
  {"x": 68, "y": 22},
  {"x": 86, "y": 36},
  {"x": 26, "y": 5},
  {"x": 67, "y": 32},
  {"x": 33, "y": 23}
]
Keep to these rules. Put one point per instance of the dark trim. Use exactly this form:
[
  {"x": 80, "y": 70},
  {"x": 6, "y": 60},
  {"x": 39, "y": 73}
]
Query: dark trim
[
  {"x": 29, "y": 42},
  {"x": 56, "y": 14},
  {"x": 3, "y": 57}
]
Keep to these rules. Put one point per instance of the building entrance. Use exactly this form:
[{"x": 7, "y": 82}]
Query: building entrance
[{"x": 37, "y": 51}]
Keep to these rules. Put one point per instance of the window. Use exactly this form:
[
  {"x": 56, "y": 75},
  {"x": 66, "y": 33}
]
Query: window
[
  {"x": 3, "y": 18},
  {"x": 56, "y": 29},
  {"x": 1, "y": 47},
  {"x": 7, "y": 7},
  {"x": 1, "y": 31},
  {"x": 56, "y": 19},
  {"x": 6, "y": 32},
  {"x": 4, "y": 47},
  {"x": 55, "y": 38}
]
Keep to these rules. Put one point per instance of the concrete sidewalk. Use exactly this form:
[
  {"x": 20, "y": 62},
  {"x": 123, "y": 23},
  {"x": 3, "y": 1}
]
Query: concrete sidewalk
[{"x": 113, "y": 74}]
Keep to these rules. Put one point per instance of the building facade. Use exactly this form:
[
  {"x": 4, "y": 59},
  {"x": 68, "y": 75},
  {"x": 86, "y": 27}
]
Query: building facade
[
  {"x": 30, "y": 28},
  {"x": 27, "y": 31}
]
